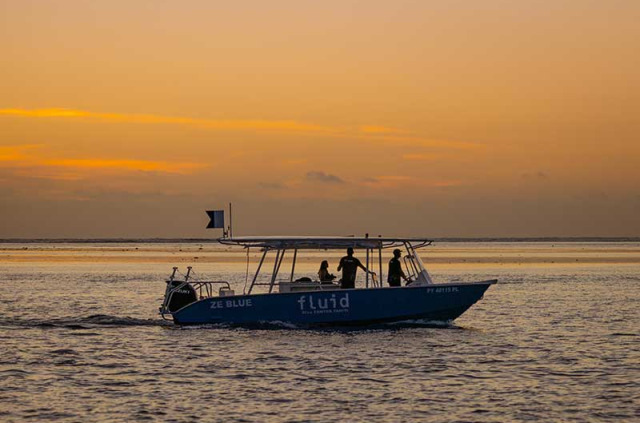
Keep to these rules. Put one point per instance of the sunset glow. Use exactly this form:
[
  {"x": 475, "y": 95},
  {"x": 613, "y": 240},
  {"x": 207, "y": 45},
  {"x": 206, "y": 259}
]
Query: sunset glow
[{"x": 423, "y": 118}]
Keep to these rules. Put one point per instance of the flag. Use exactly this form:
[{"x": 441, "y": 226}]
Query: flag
[{"x": 217, "y": 219}]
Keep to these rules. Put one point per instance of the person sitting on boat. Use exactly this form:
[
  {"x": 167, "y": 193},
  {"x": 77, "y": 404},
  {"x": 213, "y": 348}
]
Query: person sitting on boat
[
  {"x": 395, "y": 269},
  {"x": 349, "y": 266},
  {"x": 323, "y": 273}
]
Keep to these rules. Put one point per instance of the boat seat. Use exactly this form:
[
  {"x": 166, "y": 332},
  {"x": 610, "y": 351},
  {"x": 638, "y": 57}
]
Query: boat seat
[{"x": 304, "y": 286}]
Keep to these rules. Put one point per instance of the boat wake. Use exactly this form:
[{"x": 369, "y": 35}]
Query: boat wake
[
  {"x": 89, "y": 322},
  {"x": 423, "y": 323},
  {"x": 280, "y": 325},
  {"x": 274, "y": 325},
  {"x": 105, "y": 320}
]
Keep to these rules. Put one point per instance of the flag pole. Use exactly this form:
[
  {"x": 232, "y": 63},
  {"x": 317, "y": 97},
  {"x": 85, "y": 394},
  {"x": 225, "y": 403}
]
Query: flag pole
[{"x": 230, "y": 223}]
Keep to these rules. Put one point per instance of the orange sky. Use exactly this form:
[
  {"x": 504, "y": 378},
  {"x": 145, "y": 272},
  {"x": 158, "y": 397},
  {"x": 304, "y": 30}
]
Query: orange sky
[{"x": 456, "y": 118}]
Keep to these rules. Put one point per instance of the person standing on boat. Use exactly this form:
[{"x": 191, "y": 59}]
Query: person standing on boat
[
  {"x": 349, "y": 266},
  {"x": 395, "y": 269}
]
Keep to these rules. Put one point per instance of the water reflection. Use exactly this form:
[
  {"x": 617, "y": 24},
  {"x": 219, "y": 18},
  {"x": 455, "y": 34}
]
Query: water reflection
[{"x": 82, "y": 341}]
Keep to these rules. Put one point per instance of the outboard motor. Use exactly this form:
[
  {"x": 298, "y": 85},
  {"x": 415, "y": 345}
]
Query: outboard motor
[{"x": 179, "y": 294}]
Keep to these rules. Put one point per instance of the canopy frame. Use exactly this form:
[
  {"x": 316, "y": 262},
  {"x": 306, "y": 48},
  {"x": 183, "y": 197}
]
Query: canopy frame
[
  {"x": 301, "y": 242},
  {"x": 280, "y": 245}
]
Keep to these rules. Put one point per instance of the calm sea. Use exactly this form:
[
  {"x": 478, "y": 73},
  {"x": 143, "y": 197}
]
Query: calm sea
[{"x": 557, "y": 339}]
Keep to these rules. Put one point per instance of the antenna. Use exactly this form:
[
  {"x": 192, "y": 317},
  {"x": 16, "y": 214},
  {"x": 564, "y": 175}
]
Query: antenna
[{"x": 230, "y": 228}]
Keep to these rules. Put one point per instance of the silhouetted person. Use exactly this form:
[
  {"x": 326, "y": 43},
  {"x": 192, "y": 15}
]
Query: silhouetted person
[
  {"x": 349, "y": 266},
  {"x": 395, "y": 269},
  {"x": 323, "y": 273}
]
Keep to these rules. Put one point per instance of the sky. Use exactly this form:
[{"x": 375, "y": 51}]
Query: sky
[{"x": 123, "y": 119}]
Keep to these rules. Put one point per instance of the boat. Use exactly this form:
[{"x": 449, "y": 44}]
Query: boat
[{"x": 279, "y": 296}]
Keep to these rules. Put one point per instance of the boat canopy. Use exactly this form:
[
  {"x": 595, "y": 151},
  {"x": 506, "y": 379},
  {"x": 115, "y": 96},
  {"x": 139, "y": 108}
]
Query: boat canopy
[{"x": 323, "y": 242}]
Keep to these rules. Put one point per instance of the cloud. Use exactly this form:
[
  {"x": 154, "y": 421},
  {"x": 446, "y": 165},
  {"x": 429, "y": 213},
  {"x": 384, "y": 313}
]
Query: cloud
[
  {"x": 372, "y": 129},
  {"x": 319, "y": 176},
  {"x": 375, "y": 133},
  {"x": 282, "y": 125},
  {"x": 49, "y": 173},
  {"x": 415, "y": 141},
  {"x": 386, "y": 181},
  {"x": 141, "y": 165},
  {"x": 392, "y": 181},
  {"x": 396, "y": 178},
  {"x": 27, "y": 161},
  {"x": 421, "y": 156},
  {"x": 13, "y": 153}
]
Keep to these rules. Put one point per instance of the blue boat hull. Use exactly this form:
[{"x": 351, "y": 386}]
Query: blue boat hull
[{"x": 349, "y": 307}]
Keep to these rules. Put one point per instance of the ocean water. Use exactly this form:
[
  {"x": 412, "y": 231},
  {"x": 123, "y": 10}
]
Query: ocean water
[{"x": 557, "y": 339}]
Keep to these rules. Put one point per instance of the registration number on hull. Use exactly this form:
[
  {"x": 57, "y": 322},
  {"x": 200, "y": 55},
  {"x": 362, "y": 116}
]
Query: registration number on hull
[{"x": 442, "y": 290}]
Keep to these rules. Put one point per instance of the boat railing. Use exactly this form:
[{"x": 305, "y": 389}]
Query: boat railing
[{"x": 205, "y": 288}]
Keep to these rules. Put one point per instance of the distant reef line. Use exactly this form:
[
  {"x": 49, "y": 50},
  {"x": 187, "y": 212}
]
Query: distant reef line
[{"x": 210, "y": 240}]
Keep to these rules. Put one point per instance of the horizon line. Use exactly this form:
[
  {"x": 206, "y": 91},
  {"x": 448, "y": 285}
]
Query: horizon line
[{"x": 214, "y": 240}]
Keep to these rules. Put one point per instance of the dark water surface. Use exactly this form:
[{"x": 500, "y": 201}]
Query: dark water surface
[{"x": 81, "y": 341}]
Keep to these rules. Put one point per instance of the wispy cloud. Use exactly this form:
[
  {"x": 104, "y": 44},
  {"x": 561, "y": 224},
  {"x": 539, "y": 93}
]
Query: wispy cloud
[
  {"x": 386, "y": 181},
  {"x": 368, "y": 132},
  {"x": 13, "y": 153},
  {"x": 23, "y": 157},
  {"x": 137, "y": 165},
  {"x": 416, "y": 141},
  {"x": 392, "y": 181},
  {"x": 421, "y": 156},
  {"x": 319, "y": 176},
  {"x": 372, "y": 129},
  {"x": 220, "y": 124},
  {"x": 446, "y": 183}
]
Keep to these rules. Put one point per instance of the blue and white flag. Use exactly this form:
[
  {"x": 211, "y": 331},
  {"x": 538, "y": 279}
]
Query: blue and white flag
[{"x": 217, "y": 219}]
